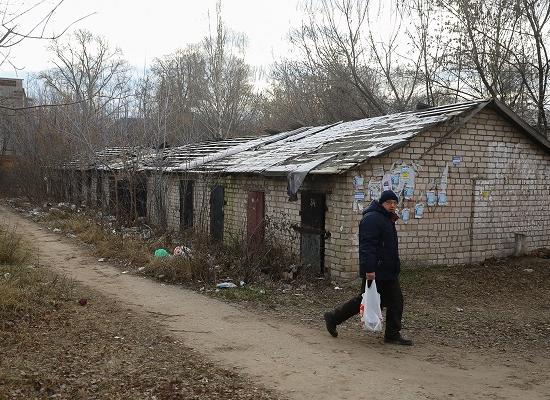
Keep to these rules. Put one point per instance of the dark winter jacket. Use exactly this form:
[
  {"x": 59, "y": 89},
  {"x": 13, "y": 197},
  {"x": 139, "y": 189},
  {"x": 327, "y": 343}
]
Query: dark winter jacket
[{"x": 378, "y": 244}]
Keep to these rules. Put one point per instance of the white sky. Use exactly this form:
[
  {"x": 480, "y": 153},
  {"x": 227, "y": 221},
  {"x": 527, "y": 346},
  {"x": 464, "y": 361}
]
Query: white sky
[{"x": 144, "y": 30}]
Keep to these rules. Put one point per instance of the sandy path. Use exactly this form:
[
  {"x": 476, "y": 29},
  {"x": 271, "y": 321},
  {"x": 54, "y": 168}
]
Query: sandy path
[{"x": 301, "y": 363}]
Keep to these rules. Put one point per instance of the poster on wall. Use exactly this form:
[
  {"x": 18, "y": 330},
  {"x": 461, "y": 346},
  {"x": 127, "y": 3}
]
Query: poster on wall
[
  {"x": 374, "y": 189},
  {"x": 442, "y": 187},
  {"x": 408, "y": 192},
  {"x": 358, "y": 183},
  {"x": 441, "y": 198},
  {"x": 387, "y": 182},
  {"x": 444, "y": 178},
  {"x": 405, "y": 215},
  {"x": 431, "y": 199},
  {"x": 419, "y": 210},
  {"x": 359, "y": 193},
  {"x": 395, "y": 175},
  {"x": 407, "y": 181},
  {"x": 407, "y": 175},
  {"x": 485, "y": 195},
  {"x": 456, "y": 161}
]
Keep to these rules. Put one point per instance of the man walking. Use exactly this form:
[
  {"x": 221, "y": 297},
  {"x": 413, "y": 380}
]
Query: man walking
[{"x": 378, "y": 259}]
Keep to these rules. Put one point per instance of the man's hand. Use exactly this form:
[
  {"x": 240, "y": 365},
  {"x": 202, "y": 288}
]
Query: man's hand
[{"x": 370, "y": 276}]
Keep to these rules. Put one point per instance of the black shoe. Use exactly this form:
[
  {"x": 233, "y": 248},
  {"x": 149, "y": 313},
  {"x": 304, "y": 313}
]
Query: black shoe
[
  {"x": 398, "y": 340},
  {"x": 331, "y": 325}
]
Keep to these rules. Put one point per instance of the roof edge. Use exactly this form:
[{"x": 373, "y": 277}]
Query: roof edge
[{"x": 520, "y": 123}]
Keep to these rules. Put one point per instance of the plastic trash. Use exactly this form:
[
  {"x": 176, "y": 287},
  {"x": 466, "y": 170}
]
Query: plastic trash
[
  {"x": 371, "y": 314},
  {"x": 161, "y": 253},
  {"x": 182, "y": 251},
  {"x": 226, "y": 285}
]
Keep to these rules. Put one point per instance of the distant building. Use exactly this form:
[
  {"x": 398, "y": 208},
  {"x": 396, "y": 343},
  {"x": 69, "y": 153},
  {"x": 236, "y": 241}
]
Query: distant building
[{"x": 12, "y": 96}]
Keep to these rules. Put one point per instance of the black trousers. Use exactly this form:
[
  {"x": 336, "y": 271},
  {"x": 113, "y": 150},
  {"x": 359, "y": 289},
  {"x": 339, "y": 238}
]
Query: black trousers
[{"x": 390, "y": 297}]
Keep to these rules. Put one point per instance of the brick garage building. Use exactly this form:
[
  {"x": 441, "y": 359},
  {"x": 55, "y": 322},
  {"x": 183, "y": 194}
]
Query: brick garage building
[
  {"x": 476, "y": 174},
  {"x": 492, "y": 168}
]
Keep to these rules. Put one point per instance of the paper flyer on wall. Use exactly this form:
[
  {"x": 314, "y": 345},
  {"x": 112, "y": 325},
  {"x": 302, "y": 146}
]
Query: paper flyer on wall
[
  {"x": 431, "y": 199},
  {"x": 374, "y": 189},
  {"x": 419, "y": 210},
  {"x": 387, "y": 182},
  {"x": 358, "y": 183},
  {"x": 405, "y": 215}
]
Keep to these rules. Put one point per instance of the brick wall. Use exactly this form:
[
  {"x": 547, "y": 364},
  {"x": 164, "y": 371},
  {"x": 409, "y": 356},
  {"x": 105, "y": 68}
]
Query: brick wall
[
  {"x": 280, "y": 214},
  {"x": 501, "y": 187}
]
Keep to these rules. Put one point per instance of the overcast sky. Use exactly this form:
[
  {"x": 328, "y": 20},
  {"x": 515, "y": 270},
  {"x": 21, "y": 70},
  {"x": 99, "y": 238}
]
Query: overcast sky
[{"x": 144, "y": 30}]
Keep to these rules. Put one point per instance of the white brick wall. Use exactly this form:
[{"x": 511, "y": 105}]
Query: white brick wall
[{"x": 496, "y": 157}]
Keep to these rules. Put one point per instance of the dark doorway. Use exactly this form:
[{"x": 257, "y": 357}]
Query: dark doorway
[
  {"x": 88, "y": 187},
  {"x": 67, "y": 188},
  {"x": 124, "y": 198},
  {"x": 112, "y": 206},
  {"x": 77, "y": 196},
  {"x": 141, "y": 197},
  {"x": 312, "y": 243},
  {"x": 186, "y": 204},
  {"x": 255, "y": 216},
  {"x": 99, "y": 190},
  {"x": 216, "y": 213}
]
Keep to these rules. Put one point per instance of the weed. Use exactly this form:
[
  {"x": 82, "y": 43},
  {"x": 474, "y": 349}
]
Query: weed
[
  {"x": 27, "y": 292},
  {"x": 11, "y": 246}
]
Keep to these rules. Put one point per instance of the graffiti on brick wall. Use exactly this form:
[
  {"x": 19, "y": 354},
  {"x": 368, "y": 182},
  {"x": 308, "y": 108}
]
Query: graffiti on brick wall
[{"x": 516, "y": 163}]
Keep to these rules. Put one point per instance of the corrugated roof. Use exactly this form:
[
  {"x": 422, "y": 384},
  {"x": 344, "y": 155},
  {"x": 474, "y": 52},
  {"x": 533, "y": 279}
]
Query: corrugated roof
[
  {"x": 331, "y": 148},
  {"x": 326, "y": 149},
  {"x": 113, "y": 158}
]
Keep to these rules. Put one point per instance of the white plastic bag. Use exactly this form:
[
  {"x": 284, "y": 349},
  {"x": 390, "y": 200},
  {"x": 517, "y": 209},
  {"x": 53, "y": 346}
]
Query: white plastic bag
[{"x": 371, "y": 314}]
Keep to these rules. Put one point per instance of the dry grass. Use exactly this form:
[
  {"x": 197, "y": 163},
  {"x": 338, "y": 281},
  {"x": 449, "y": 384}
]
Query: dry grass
[
  {"x": 27, "y": 292},
  {"x": 12, "y": 250},
  {"x": 106, "y": 244},
  {"x": 208, "y": 262},
  {"x": 52, "y": 347}
]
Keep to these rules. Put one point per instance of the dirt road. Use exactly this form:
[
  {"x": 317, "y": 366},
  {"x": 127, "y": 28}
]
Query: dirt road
[{"x": 299, "y": 362}]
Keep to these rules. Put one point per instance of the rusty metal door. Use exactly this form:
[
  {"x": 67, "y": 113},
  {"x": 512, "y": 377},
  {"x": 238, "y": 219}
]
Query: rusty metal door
[
  {"x": 312, "y": 229},
  {"x": 216, "y": 213},
  {"x": 255, "y": 217}
]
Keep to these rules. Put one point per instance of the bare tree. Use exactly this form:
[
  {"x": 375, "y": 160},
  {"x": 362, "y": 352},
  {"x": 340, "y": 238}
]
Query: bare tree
[
  {"x": 27, "y": 20},
  {"x": 492, "y": 48},
  {"x": 228, "y": 105},
  {"x": 180, "y": 86},
  {"x": 96, "y": 78}
]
